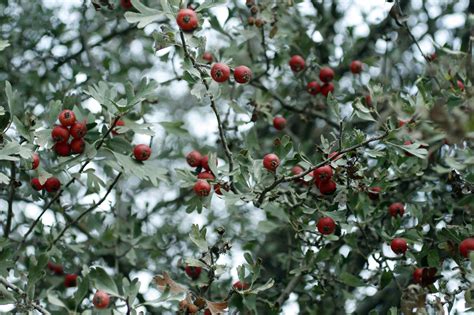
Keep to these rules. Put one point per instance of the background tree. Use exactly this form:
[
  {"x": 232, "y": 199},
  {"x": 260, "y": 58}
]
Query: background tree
[{"x": 331, "y": 169}]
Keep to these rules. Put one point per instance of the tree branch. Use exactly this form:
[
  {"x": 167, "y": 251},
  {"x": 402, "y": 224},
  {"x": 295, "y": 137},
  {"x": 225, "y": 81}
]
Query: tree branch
[
  {"x": 17, "y": 290},
  {"x": 283, "y": 179},
  {"x": 69, "y": 183},
  {"x": 222, "y": 136},
  {"x": 11, "y": 195},
  {"x": 109, "y": 190}
]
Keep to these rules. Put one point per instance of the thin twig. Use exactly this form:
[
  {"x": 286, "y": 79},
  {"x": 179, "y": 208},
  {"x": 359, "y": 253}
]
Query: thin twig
[
  {"x": 72, "y": 180},
  {"x": 19, "y": 291},
  {"x": 283, "y": 179},
  {"x": 11, "y": 195},
  {"x": 109, "y": 190},
  {"x": 222, "y": 135}
]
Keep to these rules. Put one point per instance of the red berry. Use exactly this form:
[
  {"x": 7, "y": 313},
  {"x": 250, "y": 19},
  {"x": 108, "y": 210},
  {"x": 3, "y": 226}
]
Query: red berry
[
  {"x": 57, "y": 269},
  {"x": 460, "y": 85},
  {"x": 399, "y": 245},
  {"x": 240, "y": 286},
  {"x": 432, "y": 57},
  {"x": 77, "y": 146},
  {"x": 368, "y": 100},
  {"x": 36, "y": 161},
  {"x": 142, "y": 152},
  {"x": 326, "y": 225},
  {"x": 118, "y": 123},
  {"x": 187, "y": 20},
  {"x": 356, "y": 67},
  {"x": 217, "y": 188},
  {"x": 242, "y": 74},
  {"x": 78, "y": 130},
  {"x": 35, "y": 183},
  {"x": 323, "y": 173},
  {"x": 62, "y": 149},
  {"x": 70, "y": 280},
  {"x": 193, "y": 272},
  {"x": 374, "y": 192},
  {"x": 297, "y": 63},
  {"x": 202, "y": 188},
  {"x": 206, "y": 175},
  {"x": 313, "y": 88},
  {"x": 279, "y": 123},
  {"x": 220, "y": 72},
  {"x": 67, "y": 118},
  {"x": 296, "y": 170},
  {"x": 205, "y": 163},
  {"x": 207, "y": 56},
  {"x": 396, "y": 208},
  {"x": 402, "y": 122},
  {"x": 126, "y": 4},
  {"x": 327, "y": 88},
  {"x": 52, "y": 184},
  {"x": 207, "y": 312},
  {"x": 101, "y": 299},
  {"x": 326, "y": 74},
  {"x": 194, "y": 158},
  {"x": 327, "y": 188},
  {"x": 271, "y": 162},
  {"x": 418, "y": 275},
  {"x": 466, "y": 246},
  {"x": 60, "y": 134}
]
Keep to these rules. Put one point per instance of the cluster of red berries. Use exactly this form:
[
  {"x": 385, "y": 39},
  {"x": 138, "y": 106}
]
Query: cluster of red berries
[
  {"x": 69, "y": 127},
  {"x": 220, "y": 72},
  {"x": 323, "y": 180},
  {"x": 254, "y": 10},
  {"x": 202, "y": 187},
  {"x": 70, "y": 279},
  {"x": 326, "y": 75}
]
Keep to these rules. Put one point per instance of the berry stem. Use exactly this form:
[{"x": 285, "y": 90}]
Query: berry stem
[{"x": 11, "y": 195}]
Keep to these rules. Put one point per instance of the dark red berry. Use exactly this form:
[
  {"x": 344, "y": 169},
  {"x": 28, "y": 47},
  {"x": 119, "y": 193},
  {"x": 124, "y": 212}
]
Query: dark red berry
[
  {"x": 206, "y": 175},
  {"x": 67, "y": 118},
  {"x": 126, "y": 4},
  {"x": 62, "y": 149},
  {"x": 78, "y": 130},
  {"x": 101, "y": 299},
  {"x": 271, "y": 162},
  {"x": 466, "y": 246},
  {"x": 60, "y": 134},
  {"x": 193, "y": 272},
  {"x": 374, "y": 192},
  {"x": 240, "y": 286},
  {"x": 323, "y": 174},
  {"x": 202, "y": 188},
  {"x": 327, "y": 88},
  {"x": 78, "y": 146},
  {"x": 326, "y": 225},
  {"x": 356, "y": 67},
  {"x": 52, "y": 184},
  {"x": 326, "y": 74},
  {"x": 70, "y": 280},
  {"x": 313, "y": 88},
  {"x": 279, "y": 123},
  {"x": 220, "y": 72},
  {"x": 35, "y": 183},
  {"x": 327, "y": 188},
  {"x": 297, "y": 63},
  {"x": 187, "y": 20},
  {"x": 194, "y": 158},
  {"x": 399, "y": 245},
  {"x": 57, "y": 269},
  {"x": 36, "y": 161},
  {"x": 242, "y": 74},
  {"x": 396, "y": 208},
  {"x": 207, "y": 56},
  {"x": 142, "y": 152},
  {"x": 117, "y": 124}
]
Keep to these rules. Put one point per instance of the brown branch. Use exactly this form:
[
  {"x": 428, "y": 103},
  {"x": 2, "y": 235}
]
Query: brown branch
[
  {"x": 19, "y": 291},
  {"x": 109, "y": 190},
  {"x": 11, "y": 195},
  {"x": 283, "y": 179},
  {"x": 222, "y": 136}
]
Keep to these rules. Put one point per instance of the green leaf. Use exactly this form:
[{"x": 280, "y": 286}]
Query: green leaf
[
  {"x": 144, "y": 16},
  {"x": 198, "y": 237},
  {"x": 174, "y": 127},
  {"x": 351, "y": 280},
  {"x": 4, "y": 44},
  {"x": 102, "y": 281}
]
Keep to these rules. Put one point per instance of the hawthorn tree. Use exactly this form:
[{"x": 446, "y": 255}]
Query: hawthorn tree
[{"x": 250, "y": 157}]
